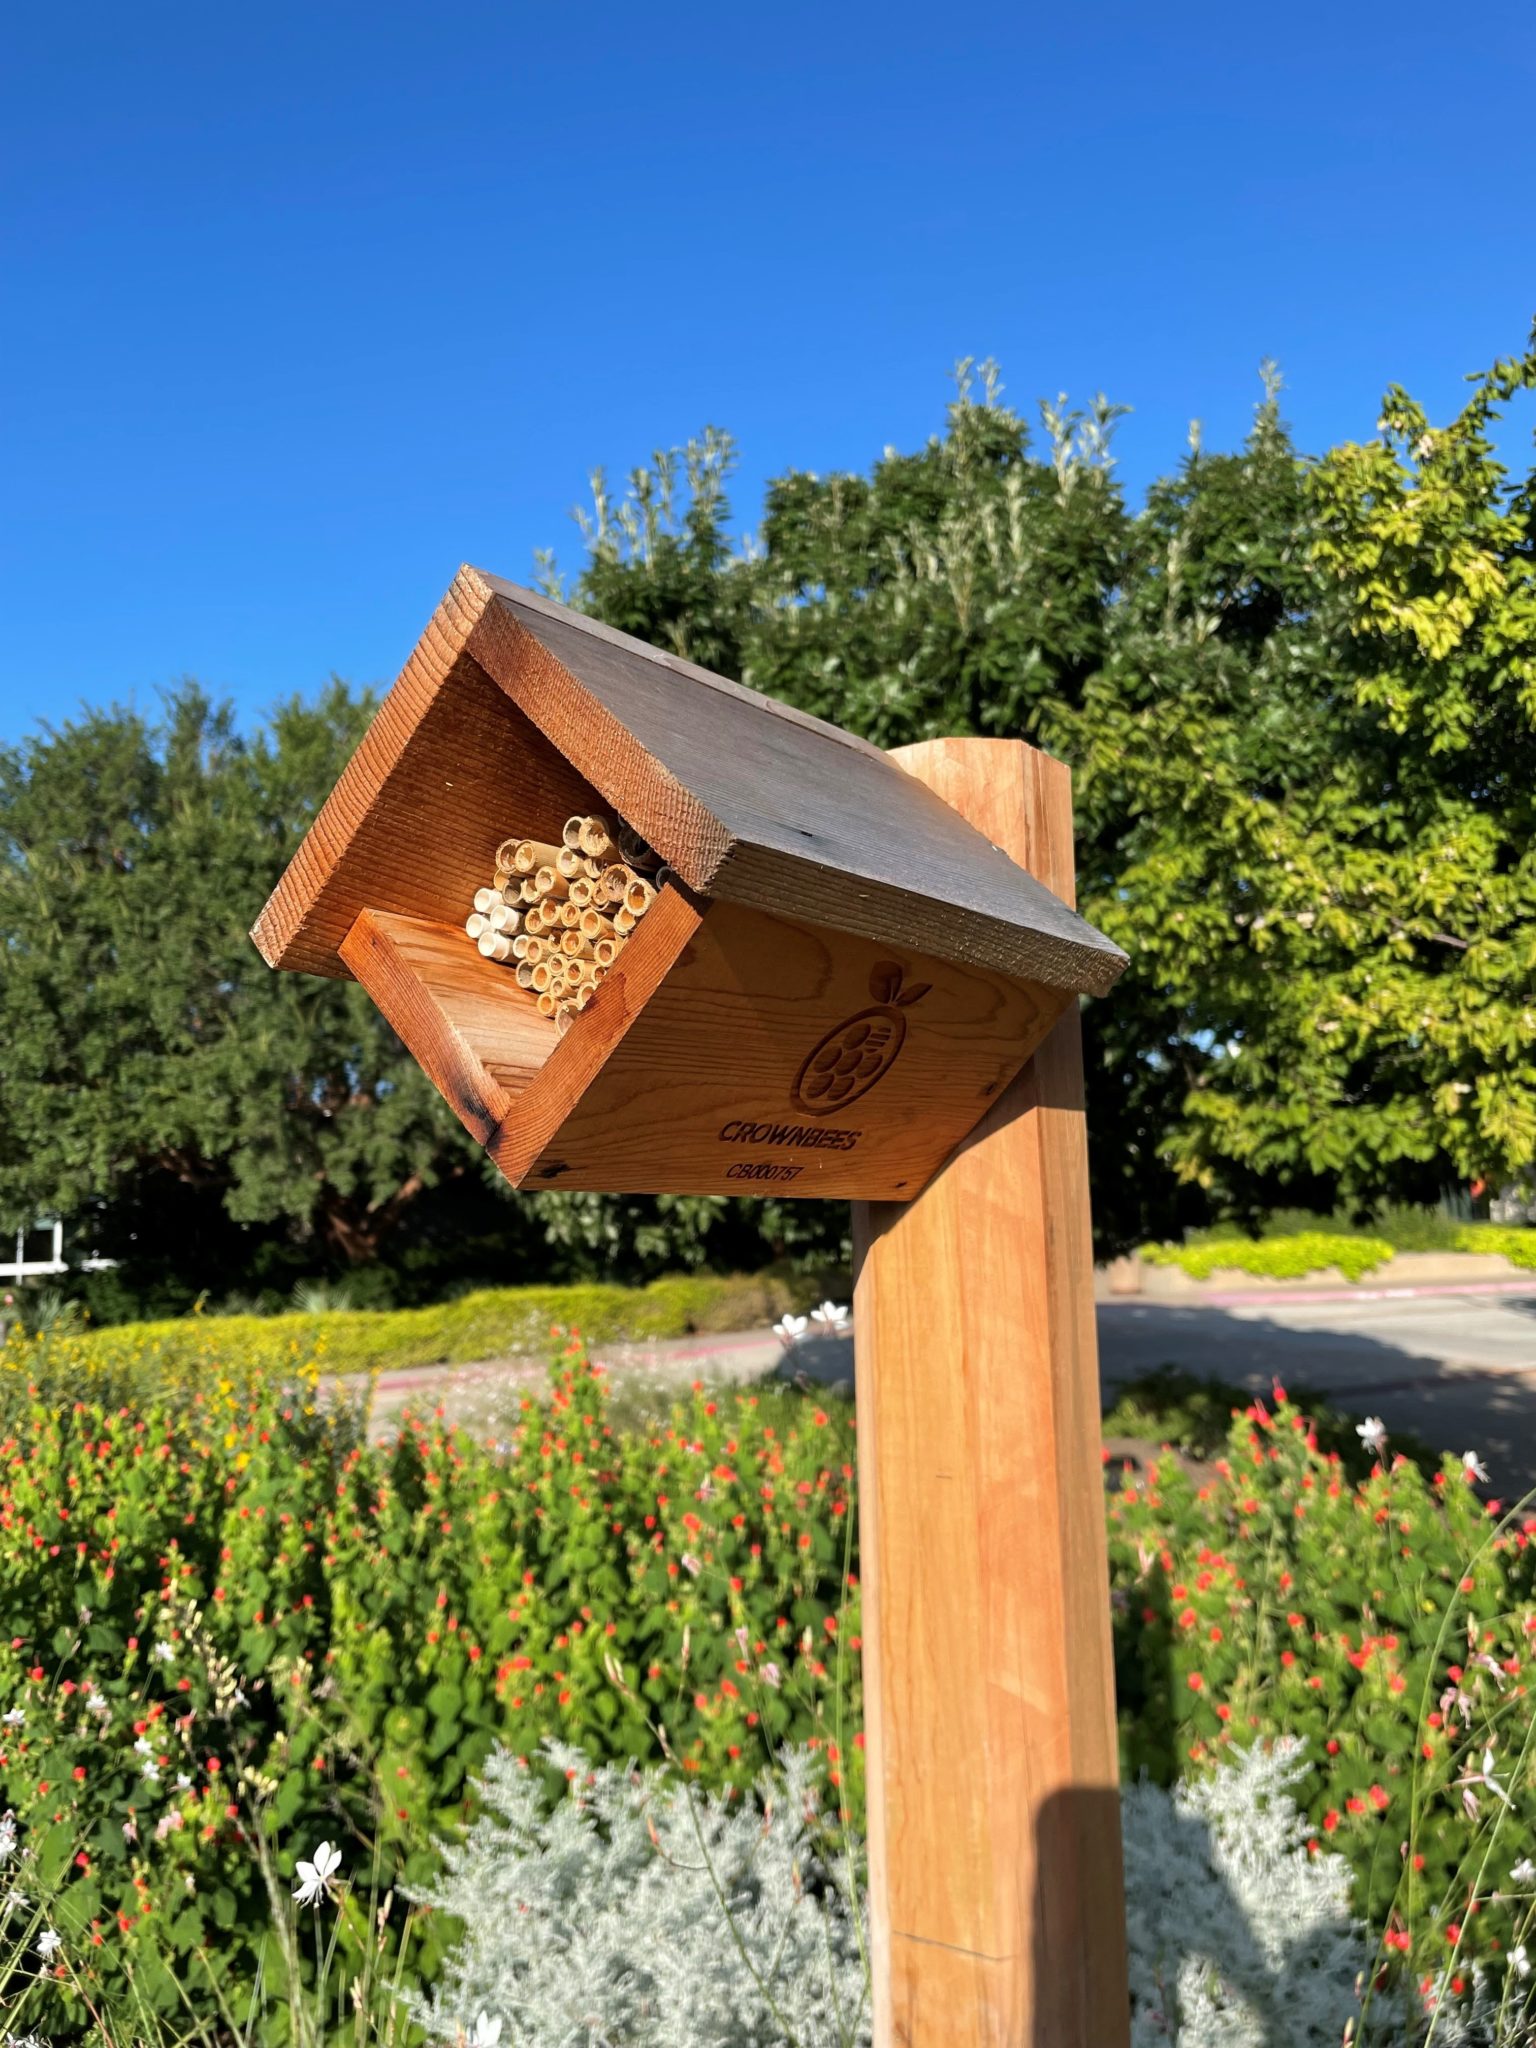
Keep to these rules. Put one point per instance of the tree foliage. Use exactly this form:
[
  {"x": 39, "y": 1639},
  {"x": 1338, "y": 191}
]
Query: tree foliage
[
  {"x": 1299, "y": 698},
  {"x": 143, "y": 1034}
]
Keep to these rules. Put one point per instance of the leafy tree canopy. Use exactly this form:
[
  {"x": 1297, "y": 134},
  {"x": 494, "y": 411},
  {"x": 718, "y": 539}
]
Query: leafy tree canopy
[
  {"x": 142, "y": 1031},
  {"x": 1299, "y": 697}
]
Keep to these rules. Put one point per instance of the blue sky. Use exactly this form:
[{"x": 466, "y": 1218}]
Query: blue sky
[{"x": 303, "y": 306}]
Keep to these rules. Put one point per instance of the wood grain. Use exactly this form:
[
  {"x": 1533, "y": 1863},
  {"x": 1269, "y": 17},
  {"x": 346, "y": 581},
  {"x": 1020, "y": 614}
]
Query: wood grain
[
  {"x": 447, "y": 770},
  {"x": 997, "y": 1911},
  {"x": 755, "y": 804},
  {"x": 687, "y": 1074},
  {"x": 463, "y": 1018},
  {"x": 514, "y": 713},
  {"x": 700, "y": 1097}
]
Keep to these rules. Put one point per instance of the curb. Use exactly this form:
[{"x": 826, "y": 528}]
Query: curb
[{"x": 1237, "y": 1296}]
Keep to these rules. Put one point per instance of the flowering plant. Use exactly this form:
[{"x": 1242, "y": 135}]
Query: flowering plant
[{"x": 1389, "y": 1623}]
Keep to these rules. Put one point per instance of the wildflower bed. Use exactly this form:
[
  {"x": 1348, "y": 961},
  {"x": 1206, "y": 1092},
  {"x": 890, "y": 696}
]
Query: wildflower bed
[
  {"x": 238, "y": 1631},
  {"x": 234, "y": 1619}
]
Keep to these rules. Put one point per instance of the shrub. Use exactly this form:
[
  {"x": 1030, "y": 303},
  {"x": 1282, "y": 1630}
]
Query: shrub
[
  {"x": 485, "y": 1324},
  {"x": 230, "y": 1615},
  {"x": 635, "y": 1913},
  {"x": 1295, "y": 1245},
  {"x": 1237, "y": 1937},
  {"x": 1274, "y": 1258},
  {"x": 630, "y": 1896},
  {"x": 1389, "y": 1624}
]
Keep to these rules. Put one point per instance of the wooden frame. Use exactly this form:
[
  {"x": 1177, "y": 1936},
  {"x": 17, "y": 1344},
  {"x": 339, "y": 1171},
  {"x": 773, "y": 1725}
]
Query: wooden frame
[{"x": 816, "y": 894}]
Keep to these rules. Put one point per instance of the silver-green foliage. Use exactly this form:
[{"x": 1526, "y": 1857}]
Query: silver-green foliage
[
  {"x": 638, "y": 1913},
  {"x": 1239, "y": 1938}
]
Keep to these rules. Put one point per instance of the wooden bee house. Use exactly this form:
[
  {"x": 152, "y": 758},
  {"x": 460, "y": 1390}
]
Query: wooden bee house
[{"x": 835, "y": 979}]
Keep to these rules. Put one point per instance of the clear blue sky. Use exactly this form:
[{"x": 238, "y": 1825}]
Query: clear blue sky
[{"x": 304, "y": 305}]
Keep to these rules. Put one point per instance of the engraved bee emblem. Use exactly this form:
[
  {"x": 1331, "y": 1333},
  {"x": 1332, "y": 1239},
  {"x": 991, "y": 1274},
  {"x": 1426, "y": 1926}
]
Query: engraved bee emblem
[{"x": 854, "y": 1056}]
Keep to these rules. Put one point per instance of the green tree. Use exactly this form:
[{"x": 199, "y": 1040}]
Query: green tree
[
  {"x": 143, "y": 1035},
  {"x": 1297, "y": 697}
]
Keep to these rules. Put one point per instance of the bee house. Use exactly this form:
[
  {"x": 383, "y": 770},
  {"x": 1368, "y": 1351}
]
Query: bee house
[{"x": 649, "y": 931}]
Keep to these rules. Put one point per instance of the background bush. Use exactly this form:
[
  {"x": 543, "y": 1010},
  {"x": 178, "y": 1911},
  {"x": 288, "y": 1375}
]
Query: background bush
[
  {"x": 228, "y": 1614},
  {"x": 234, "y": 1621},
  {"x": 1283, "y": 1254},
  {"x": 488, "y": 1323}
]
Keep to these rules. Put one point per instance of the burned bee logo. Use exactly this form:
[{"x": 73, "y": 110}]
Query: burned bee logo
[{"x": 852, "y": 1058}]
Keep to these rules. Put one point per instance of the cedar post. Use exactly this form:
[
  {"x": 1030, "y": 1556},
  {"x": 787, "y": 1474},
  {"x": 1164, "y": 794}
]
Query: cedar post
[{"x": 997, "y": 1915}]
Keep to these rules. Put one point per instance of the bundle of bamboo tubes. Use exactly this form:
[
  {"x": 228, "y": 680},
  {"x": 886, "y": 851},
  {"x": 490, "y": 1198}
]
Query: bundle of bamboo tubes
[{"x": 559, "y": 916}]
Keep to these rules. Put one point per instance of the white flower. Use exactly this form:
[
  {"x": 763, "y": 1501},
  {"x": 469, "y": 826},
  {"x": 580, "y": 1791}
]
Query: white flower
[
  {"x": 14, "y": 1902},
  {"x": 1473, "y": 1466},
  {"x": 1524, "y": 1872},
  {"x": 150, "y": 1770},
  {"x": 315, "y": 1878},
  {"x": 831, "y": 1315},
  {"x": 183, "y": 1782},
  {"x": 49, "y": 1944},
  {"x": 144, "y": 1746},
  {"x": 486, "y": 2032},
  {"x": 1491, "y": 1781},
  {"x": 95, "y": 1703},
  {"x": 14, "y": 1719},
  {"x": 789, "y": 1329},
  {"x": 1372, "y": 1432},
  {"x": 7, "y": 1837},
  {"x": 164, "y": 1653},
  {"x": 1519, "y": 1961},
  {"x": 690, "y": 1565}
]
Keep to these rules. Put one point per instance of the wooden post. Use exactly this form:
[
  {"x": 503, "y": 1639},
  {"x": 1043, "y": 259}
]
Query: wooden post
[{"x": 997, "y": 1914}]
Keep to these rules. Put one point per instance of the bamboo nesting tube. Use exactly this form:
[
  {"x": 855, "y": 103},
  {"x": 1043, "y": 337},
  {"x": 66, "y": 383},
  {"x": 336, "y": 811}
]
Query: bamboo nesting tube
[
  {"x": 524, "y": 856},
  {"x": 561, "y": 915},
  {"x": 595, "y": 839}
]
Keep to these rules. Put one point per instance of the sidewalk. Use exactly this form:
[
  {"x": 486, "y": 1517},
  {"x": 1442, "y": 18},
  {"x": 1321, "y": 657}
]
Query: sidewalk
[{"x": 1457, "y": 1365}]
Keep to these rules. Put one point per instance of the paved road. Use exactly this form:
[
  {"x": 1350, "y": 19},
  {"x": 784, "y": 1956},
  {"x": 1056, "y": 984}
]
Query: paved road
[{"x": 1457, "y": 1369}]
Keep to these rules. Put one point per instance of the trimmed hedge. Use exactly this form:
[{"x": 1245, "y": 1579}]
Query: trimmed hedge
[
  {"x": 1294, "y": 1256},
  {"x": 487, "y": 1324}
]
